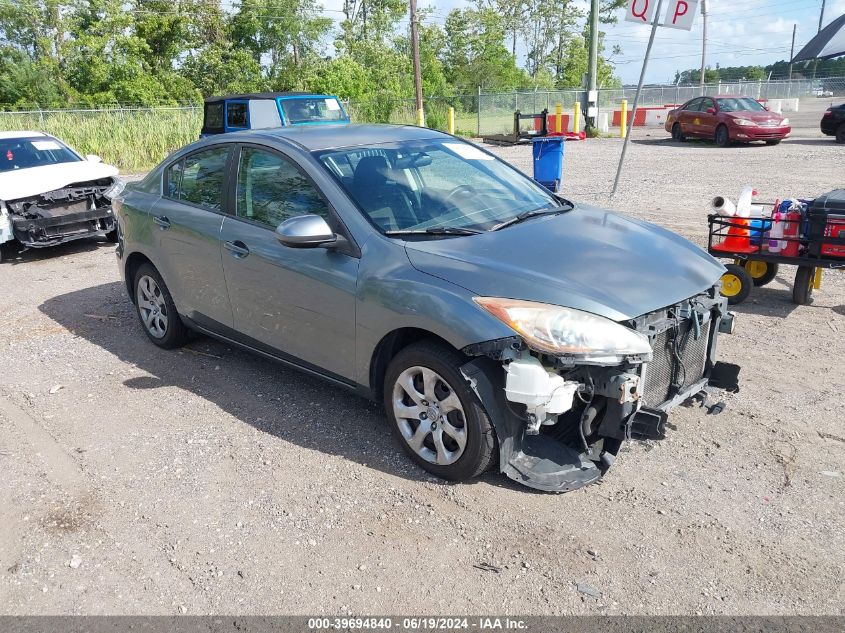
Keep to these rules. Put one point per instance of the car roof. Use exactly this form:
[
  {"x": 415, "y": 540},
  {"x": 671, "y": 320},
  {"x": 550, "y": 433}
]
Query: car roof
[
  {"x": 322, "y": 137},
  {"x": 261, "y": 95},
  {"x": 20, "y": 134}
]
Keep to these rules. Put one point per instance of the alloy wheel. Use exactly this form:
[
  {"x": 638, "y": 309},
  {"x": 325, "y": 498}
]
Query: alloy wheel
[
  {"x": 429, "y": 415},
  {"x": 152, "y": 306}
]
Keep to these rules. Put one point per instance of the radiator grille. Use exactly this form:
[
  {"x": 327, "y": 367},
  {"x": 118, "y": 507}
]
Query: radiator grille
[{"x": 664, "y": 368}]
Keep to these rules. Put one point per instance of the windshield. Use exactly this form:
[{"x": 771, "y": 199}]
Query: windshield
[
  {"x": 311, "y": 109},
  {"x": 21, "y": 153},
  {"x": 434, "y": 185},
  {"x": 739, "y": 104}
]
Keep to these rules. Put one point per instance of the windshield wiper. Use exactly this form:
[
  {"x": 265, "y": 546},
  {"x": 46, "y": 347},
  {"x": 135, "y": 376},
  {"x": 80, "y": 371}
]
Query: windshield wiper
[
  {"x": 437, "y": 230},
  {"x": 564, "y": 207}
]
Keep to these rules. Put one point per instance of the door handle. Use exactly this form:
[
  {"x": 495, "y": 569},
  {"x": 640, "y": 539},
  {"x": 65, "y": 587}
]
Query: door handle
[
  {"x": 162, "y": 222},
  {"x": 237, "y": 248}
]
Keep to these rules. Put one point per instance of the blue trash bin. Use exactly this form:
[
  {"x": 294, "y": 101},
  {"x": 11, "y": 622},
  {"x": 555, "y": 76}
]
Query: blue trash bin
[{"x": 548, "y": 161}]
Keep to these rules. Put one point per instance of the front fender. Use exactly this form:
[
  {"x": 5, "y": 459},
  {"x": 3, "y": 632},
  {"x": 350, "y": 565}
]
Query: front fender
[{"x": 393, "y": 295}]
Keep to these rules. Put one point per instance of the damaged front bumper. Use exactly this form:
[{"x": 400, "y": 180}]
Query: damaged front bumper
[
  {"x": 63, "y": 215},
  {"x": 567, "y": 434}
]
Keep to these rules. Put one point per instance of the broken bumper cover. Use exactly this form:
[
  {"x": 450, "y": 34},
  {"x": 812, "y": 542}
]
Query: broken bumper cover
[
  {"x": 626, "y": 402},
  {"x": 50, "y": 231},
  {"x": 74, "y": 212}
]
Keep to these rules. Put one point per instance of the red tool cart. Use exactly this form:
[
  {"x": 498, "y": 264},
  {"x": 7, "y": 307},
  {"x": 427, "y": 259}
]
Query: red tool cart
[{"x": 809, "y": 234}]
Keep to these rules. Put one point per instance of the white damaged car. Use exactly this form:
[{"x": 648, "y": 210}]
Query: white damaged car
[{"x": 49, "y": 194}]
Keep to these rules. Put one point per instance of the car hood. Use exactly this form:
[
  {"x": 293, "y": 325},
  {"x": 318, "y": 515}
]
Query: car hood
[
  {"x": 23, "y": 183},
  {"x": 588, "y": 259}
]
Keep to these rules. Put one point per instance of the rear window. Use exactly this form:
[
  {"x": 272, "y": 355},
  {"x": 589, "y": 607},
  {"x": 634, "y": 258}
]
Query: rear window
[
  {"x": 311, "y": 109},
  {"x": 22, "y": 153}
]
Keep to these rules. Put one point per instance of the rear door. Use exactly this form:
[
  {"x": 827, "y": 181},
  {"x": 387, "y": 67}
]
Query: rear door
[
  {"x": 187, "y": 220},
  {"x": 687, "y": 117},
  {"x": 300, "y": 302}
]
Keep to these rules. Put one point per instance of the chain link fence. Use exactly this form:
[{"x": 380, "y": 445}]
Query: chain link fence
[
  {"x": 135, "y": 138},
  {"x": 492, "y": 113}
]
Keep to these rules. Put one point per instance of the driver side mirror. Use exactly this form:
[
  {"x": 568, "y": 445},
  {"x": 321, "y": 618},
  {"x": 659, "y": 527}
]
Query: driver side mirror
[
  {"x": 93, "y": 158},
  {"x": 305, "y": 231}
]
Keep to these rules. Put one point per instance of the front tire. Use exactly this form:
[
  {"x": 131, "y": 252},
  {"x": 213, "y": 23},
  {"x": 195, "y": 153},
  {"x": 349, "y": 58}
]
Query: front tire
[
  {"x": 773, "y": 142},
  {"x": 840, "y": 134},
  {"x": 678, "y": 133},
  {"x": 723, "y": 137},
  {"x": 736, "y": 284},
  {"x": 156, "y": 310},
  {"x": 435, "y": 415}
]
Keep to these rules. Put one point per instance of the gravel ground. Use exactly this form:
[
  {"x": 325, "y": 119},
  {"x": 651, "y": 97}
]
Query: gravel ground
[{"x": 206, "y": 480}]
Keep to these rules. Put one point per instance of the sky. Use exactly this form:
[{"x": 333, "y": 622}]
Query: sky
[{"x": 740, "y": 33}]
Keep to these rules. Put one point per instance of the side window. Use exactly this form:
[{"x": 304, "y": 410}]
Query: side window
[
  {"x": 692, "y": 106},
  {"x": 706, "y": 103},
  {"x": 202, "y": 177},
  {"x": 271, "y": 189},
  {"x": 236, "y": 115},
  {"x": 214, "y": 116},
  {"x": 173, "y": 180}
]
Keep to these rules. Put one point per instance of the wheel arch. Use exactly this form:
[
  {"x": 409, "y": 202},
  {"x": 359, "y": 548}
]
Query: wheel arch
[
  {"x": 389, "y": 346},
  {"x": 133, "y": 262}
]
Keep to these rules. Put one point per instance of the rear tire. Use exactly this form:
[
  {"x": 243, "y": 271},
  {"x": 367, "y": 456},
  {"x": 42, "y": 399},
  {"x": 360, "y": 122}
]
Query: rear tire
[
  {"x": 802, "y": 289},
  {"x": 678, "y": 133},
  {"x": 736, "y": 284},
  {"x": 762, "y": 273},
  {"x": 435, "y": 415},
  {"x": 723, "y": 137},
  {"x": 840, "y": 134},
  {"x": 156, "y": 310}
]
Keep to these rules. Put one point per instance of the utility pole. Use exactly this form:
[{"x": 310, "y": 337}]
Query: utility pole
[
  {"x": 415, "y": 52},
  {"x": 703, "y": 43},
  {"x": 593, "y": 70},
  {"x": 792, "y": 50},
  {"x": 821, "y": 21}
]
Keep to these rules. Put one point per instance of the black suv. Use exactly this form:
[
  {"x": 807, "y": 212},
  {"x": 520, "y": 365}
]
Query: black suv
[{"x": 833, "y": 122}]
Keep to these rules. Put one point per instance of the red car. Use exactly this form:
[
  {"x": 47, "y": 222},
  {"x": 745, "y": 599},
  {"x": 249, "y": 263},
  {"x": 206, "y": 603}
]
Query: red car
[{"x": 727, "y": 119}]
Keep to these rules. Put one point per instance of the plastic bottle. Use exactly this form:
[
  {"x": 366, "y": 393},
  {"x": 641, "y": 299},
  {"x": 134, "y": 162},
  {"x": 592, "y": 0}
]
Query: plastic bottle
[
  {"x": 743, "y": 205},
  {"x": 775, "y": 243}
]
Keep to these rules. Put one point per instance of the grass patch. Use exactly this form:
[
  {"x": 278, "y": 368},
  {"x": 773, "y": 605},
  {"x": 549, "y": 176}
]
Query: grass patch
[{"x": 131, "y": 140}]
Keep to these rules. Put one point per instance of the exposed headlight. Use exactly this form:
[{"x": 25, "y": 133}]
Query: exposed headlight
[
  {"x": 115, "y": 190},
  {"x": 557, "y": 330},
  {"x": 743, "y": 122},
  {"x": 785, "y": 122}
]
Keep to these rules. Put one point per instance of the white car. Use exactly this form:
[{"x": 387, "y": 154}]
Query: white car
[{"x": 49, "y": 194}]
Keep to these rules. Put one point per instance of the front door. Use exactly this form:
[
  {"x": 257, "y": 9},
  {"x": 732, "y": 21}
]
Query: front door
[
  {"x": 188, "y": 218},
  {"x": 707, "y": 120},
  {"x": 297, "y": 301}
]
